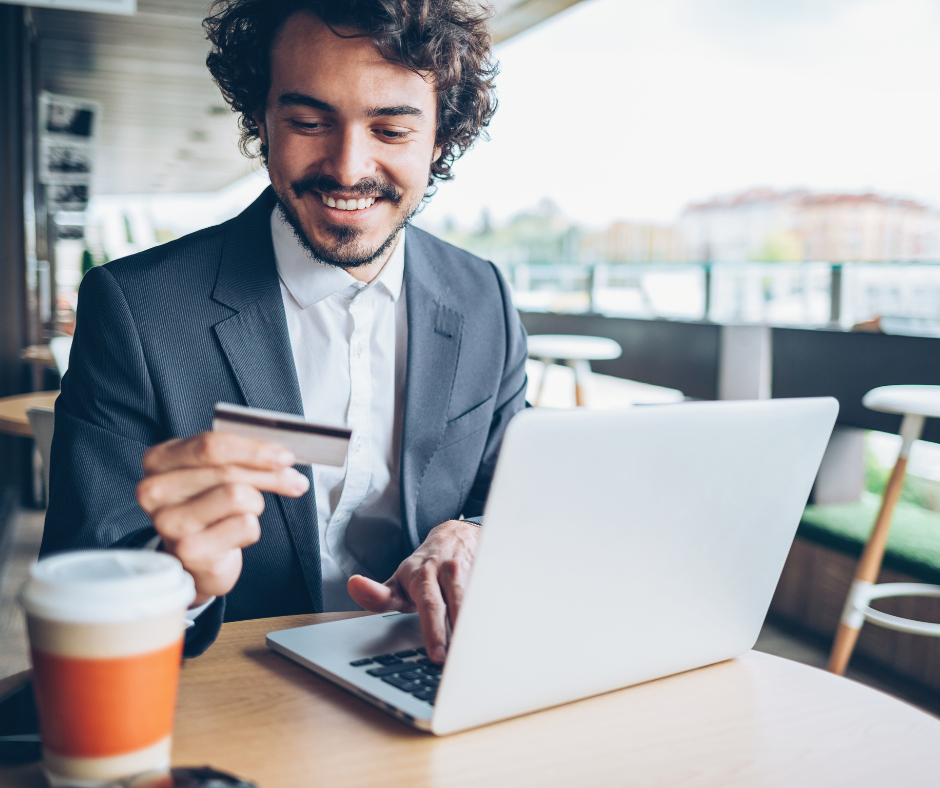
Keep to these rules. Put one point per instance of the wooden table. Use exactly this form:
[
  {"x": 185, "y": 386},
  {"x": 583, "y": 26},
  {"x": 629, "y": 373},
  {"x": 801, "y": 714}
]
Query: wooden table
[
  {"x": 755, "y": 721},
  {"x": 13, "y": 418}
]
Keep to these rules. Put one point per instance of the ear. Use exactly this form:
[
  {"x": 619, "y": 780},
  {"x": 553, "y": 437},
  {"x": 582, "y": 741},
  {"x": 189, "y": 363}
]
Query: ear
[
  {"x": 437, "y": 153},
  {"x": 262, "y": 128}
]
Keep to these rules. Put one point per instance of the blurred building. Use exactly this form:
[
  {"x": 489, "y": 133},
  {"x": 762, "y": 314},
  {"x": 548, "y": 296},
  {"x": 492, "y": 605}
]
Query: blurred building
[
  {"x": 769, "y": 225},
  {"x": 868, "y": 228}
]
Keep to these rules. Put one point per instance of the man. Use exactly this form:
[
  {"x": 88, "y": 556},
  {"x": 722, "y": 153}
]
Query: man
[{"x": 319, "y": 300}]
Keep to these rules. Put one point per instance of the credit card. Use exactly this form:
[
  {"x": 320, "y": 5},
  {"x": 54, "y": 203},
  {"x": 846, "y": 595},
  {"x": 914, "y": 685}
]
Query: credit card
[{"x": 312, "y": 444}]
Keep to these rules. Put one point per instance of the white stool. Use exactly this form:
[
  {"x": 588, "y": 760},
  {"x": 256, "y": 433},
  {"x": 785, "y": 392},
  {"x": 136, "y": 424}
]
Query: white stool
[
  {"x": 915, "y": 403},
  {"x": 577, "y": 352}
]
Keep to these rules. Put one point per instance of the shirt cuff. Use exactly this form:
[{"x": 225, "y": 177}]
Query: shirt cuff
[
  {"x": 193, "y": 613},
  {"x": 151, "y": 544}
]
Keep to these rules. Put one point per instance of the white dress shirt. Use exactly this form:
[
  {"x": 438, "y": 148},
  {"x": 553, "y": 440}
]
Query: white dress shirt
[{"x": 349, "y": 341}]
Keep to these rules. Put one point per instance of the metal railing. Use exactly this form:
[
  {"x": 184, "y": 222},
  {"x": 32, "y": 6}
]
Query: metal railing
[{"x": 904, "y": 296}]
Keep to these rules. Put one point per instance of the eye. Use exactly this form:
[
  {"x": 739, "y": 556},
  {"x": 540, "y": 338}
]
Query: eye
[
  {"x": 388, "y": 134},
  {"x": 312, "y": 125}
]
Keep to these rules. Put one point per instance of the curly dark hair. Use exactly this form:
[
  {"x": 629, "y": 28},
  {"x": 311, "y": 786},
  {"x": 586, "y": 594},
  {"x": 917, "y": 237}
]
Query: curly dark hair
[{"x": 446, "y": 39}]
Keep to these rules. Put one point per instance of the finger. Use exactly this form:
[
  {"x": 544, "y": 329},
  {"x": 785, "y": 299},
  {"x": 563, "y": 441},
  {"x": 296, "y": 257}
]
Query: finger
[
  {"x": 213, "y": 556},
  {"x": 377, "y": 597},
  {"x": 452, "y": 576},
  {"x": 200, "y": 551},
  {"x": 175, "y": 487},
  {"x": 425, "y": 592},
  {"x": 215, "y": 448},
  {"x": 198, "y": 514}
]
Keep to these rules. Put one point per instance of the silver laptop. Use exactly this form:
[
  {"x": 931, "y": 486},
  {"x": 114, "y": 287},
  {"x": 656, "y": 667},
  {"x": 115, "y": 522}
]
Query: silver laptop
[{"x": 618, "y": 547}]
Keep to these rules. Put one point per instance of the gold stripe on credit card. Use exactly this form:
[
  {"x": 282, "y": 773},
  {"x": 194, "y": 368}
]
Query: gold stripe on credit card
[{"x": 312, "y": 444}]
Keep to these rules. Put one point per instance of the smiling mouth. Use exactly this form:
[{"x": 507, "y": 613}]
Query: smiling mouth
[{"x": 351, "y": 204}]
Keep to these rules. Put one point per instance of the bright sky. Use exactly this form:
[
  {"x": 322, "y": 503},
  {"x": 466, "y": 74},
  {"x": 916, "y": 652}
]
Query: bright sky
[{"x": 631, "y": 108}]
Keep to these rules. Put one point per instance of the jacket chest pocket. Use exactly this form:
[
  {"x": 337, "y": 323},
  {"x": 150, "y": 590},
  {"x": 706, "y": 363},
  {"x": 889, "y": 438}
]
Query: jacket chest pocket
[{"x": 474, "y": 420}]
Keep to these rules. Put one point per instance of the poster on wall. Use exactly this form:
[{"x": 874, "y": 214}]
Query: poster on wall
[
  {"x": 67, "y": 128},
  {"x": 67, "y": 197},
  {"x": 64, "y": 162}
]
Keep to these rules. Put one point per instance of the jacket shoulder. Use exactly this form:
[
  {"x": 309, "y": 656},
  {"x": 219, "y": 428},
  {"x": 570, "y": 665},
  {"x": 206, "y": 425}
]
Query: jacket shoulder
[
  {"x": 448, "y": 268},
  {"x": 199, "y": 249}
]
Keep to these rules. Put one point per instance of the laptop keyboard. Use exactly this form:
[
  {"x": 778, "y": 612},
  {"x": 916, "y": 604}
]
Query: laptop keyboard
[{"x": 410, "y": 671}]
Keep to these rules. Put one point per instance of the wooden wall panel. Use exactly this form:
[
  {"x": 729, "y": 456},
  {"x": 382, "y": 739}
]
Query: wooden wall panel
[{"x": 811, "y": 594}]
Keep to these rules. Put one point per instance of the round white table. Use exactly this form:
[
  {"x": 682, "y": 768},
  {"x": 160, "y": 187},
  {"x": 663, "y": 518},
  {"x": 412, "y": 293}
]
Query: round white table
[{"x": 576, "y": 352}]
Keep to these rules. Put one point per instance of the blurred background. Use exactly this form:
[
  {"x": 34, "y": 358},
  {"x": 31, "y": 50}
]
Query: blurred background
[{"x": 744, "y": 194}]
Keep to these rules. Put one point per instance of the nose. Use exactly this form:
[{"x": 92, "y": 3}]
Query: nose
[{"x": 350, "y": 158}]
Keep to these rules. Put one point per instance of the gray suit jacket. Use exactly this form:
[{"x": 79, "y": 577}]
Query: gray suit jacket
[{"x": 165, "y": 334}]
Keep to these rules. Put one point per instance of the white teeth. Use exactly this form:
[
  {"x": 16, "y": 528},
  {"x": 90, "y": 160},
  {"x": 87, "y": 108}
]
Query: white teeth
[{"x": 349, "y": 205}]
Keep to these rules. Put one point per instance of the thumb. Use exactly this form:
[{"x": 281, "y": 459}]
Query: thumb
[{"x": 373, "y": 596}]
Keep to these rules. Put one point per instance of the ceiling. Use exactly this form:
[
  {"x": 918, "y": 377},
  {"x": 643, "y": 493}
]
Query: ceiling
[{"x": 164, "y": 127}]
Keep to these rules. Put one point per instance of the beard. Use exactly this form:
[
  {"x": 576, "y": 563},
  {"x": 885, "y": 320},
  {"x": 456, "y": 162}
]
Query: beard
[{"x": 345, "y": 247}]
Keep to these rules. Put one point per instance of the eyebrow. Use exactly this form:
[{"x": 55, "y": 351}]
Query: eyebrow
[
  {"x": 303, "y": 100},
  {"x": 387, "y": 112}
]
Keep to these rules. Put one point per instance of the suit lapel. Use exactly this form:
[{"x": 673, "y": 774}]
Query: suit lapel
[
  {"x": 256, "y": 343},
  {"x": 433, "y": 348}
]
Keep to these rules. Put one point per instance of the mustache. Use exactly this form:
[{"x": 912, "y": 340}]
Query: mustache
[{"x": 367, "y": 187}]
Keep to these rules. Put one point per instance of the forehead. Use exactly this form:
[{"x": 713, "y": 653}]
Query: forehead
[{"x": 343, "y": 70}]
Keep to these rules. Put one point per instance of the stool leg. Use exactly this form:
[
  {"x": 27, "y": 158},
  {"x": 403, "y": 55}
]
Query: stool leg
[
  {"x": 866, "y": 572},
  {"x": 546, "y": 362},
  {"x": 582, "y": 371}
]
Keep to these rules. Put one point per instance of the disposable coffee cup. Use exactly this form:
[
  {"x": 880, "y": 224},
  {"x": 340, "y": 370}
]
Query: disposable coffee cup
[{"x": 106, "y": 636}]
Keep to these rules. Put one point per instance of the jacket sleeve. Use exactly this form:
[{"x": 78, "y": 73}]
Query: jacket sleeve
[
  {"x": 106, "y": 417},
  {"x": 510, "y": 399}
]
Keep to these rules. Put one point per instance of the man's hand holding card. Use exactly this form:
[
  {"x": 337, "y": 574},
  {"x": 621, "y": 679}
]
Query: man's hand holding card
[{"x": 203, "y": 494}]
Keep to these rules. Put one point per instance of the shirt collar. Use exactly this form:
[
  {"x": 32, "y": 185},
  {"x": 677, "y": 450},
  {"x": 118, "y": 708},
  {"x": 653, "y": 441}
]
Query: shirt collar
[{"x": 310, "y": 281}]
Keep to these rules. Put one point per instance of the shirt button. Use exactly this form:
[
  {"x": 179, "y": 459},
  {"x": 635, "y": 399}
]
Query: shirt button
[
  {"x": 359, "y": 349},
  {"x": 358, "y": 444}
]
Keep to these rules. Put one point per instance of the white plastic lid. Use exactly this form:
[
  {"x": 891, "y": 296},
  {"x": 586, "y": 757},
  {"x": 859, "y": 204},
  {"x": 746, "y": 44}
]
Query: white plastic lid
[{"x": 102, "y": 586}]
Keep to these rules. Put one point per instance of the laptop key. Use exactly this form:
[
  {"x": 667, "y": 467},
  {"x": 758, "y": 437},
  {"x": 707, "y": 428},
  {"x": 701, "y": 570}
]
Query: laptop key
[
  {"x": 386, "y": 659},
  {"x": 408, "y": 653},
  {"x": 402, "y": 684},
  {"x": 422, "y": 650},
  {"x": 431, "y": 669},
  {"x": 412, "y": 675},
  {"x": 358, "y": 663},
  {"x": 388, "y": 670},
  {"x": 427, "y": 695}
]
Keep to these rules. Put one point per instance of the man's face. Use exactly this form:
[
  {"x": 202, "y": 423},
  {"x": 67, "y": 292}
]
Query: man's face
[{"x": 350, "y": 140}]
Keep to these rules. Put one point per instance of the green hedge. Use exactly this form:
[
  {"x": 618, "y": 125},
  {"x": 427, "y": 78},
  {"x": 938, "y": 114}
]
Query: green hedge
[{"x": 913, "y": 546}]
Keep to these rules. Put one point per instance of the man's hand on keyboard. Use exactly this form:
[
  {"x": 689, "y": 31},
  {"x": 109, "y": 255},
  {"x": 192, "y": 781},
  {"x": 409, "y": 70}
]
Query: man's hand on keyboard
[{"x": 432, "y": 581}]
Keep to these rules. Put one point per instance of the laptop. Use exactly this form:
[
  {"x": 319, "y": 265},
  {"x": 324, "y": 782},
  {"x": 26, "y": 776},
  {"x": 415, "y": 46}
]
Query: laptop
[{"x": 618, "y": 547}]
